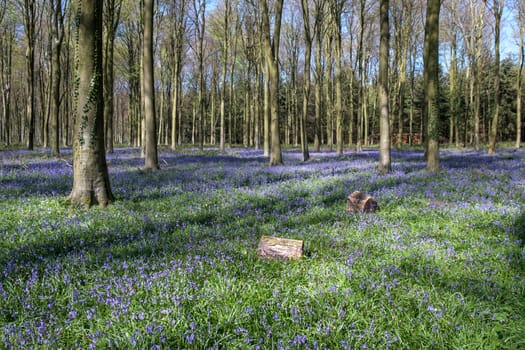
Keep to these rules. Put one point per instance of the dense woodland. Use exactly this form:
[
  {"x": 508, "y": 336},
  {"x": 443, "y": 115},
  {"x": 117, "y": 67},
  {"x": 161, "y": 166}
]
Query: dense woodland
[{"x": 210, "y": 69}]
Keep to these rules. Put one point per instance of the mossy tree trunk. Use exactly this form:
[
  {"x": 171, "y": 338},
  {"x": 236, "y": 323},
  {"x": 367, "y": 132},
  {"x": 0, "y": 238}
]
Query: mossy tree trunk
[{"x": 90, "y": 173}]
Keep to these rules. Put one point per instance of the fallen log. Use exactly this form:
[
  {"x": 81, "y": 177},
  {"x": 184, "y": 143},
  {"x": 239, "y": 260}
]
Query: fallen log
[
  {"x": 359, "y": 202},
  {"x": 280, "y": 248}
]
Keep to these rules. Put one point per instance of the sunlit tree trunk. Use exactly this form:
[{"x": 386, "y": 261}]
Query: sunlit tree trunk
[
  {"x": 179, "y": 16},
  {"x": 271, "y": 56},
  {"x": 150, "y": 127},
  {"x": 224, "y": 72},
  {"x": 384, "y": 125},
  {"x": 337, "y": 9},
  {"x": 90, "y": 173},
  {"x": 498, "y": 6},
  {"x": 6, "y": 63},
  {"x": 328, "y": 79},
  {"x": 431, "y": 62},
  {"x": 361, "y": 72},
  {"x": 319, "y": 17},
  {"x": 307, "y": 79},
  {"x": 519, "y": 81},
  {"x": 454, "y": 93}
]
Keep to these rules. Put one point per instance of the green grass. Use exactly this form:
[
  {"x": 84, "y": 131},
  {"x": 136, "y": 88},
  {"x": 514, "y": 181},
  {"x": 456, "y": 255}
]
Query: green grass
[{"x": 173, "y": 264}]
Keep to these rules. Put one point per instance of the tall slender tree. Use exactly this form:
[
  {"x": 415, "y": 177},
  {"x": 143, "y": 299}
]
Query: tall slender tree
[
  {"x": 497, "y": 9},
  {"x": 151, "y": 160},
  {"x": 520, "y": 15},
  {"x": 179, "y": 15},
  {"x": 28, "y": 8},
  {"x": 112, "y": 10},
  {"x": 57, "y": 10},
  {"x": 271, "y": 56},
  {"x": 384, "y": 125},
  {"x": 431, "y": 63},
  {"x": 90, "y": 173},
  {"x": 225, "y": 52},
  {"x": 307, "y": 79},
  {"x": 319, "y": 9},
  {"x": 337, "y": 7},
  {"x": 7, "y": 39}
]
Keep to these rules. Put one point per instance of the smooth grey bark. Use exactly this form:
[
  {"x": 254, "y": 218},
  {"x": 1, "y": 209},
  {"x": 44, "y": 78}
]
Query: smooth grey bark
[
  {"x": 111, "y": 21},
  {"x": 90, "y": 173},
  {"x": 337, "y": 10},
  {"x": 307, "y": 79},
  {"x": 151, "y": 156},
  {"x": 224, "y": 72},
  {"x": 519, "y": 80},
  {"x": 497, "y": 9},
  {"x": 271, "y": 57},
  {"x": 384, "y": 124},
  {"x": 58, "y": 38}
]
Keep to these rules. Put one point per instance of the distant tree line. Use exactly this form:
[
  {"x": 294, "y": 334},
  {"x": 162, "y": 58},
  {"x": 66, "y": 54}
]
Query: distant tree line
[{"x": 262, "y": 73}]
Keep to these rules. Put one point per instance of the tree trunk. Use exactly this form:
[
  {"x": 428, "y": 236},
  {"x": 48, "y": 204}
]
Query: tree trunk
[
  {"x": 454, "y": 94},
  {"x": 271, "y": 56},
  {"x": 319, "y": 15},
  {"x": 225, "y": 52},
  {"x": 306, "y": 89},
  {"x": 30, "y": 32},
  {"x": 90, "y": 173},
  {"x": 328, "y": 94},
  {"x": 150, "y": 128},
  {"x": 58, "y": 37},
  {"x": 6, "y": 49},
  {"x": 112, "y": 17},
  {"x": 519, "y": 84},
  {"x": 498, "y": 6},
  {"x": 384, "y": 125},
  {"x": 431, "y": 56},
  {"x": 337, "y": 9}
]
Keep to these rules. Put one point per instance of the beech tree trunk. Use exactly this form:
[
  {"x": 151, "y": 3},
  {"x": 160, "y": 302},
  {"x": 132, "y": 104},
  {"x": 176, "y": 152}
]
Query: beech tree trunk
[
  {"x": 498, "y": 13},
  {"x": 271, "y": 56},
  {"x": 29, "y": 10},
  {"x": 151, "y": 161},
  {"x": 112, "y": 17},
  {"x": 384, "y": 125},
  {"x": 519, "y": 81},
  {"x": 307, "y": 79},
  {"x": 337, "y": 10},
  {"x": 431, "y": 56},
  {"x": 90, "y": 173},
  {"x": 58, "y": 37}
]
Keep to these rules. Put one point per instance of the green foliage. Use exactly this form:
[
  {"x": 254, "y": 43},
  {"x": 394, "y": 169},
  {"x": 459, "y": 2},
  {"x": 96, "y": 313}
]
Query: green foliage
[{"x": 173, "y": 263}]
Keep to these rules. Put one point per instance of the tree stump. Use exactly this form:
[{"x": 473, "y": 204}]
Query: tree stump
[
  {"x": 280, "y": 248},
  {"x": 359, "y": 202}
]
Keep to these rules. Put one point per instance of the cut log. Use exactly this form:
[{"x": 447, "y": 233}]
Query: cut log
[
  {"x": 359, "y": 202},
  {"x": 280, "y": 248}
]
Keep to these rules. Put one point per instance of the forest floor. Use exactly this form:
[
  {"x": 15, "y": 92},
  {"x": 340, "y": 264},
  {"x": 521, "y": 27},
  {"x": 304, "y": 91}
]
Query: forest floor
[{"x": 173, "y": 262}]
